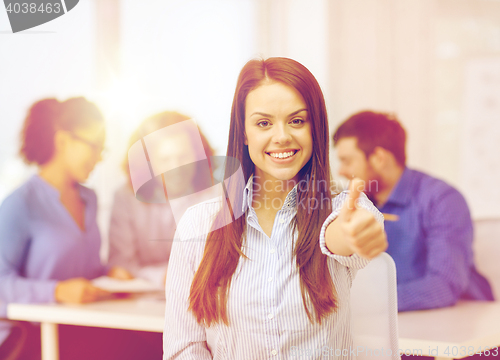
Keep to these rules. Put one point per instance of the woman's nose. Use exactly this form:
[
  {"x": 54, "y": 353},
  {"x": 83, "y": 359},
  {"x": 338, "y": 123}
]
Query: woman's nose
[{"x": 282, "y": 135}]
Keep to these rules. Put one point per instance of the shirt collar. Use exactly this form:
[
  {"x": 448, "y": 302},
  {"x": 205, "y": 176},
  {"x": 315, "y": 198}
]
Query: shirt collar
[
  {"x": 290, "y": 200},
  {"x": 402, "y": 192},
  {"x": 247, "y": 194},
  {"x": 53, "y": 192}
]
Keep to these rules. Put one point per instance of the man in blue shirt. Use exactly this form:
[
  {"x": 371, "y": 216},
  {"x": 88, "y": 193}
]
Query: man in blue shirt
[{"x": 427, "y": 221}]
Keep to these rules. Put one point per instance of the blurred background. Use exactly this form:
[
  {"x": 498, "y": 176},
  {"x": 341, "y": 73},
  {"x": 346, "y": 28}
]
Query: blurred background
[{"x": 435, "y": 63}]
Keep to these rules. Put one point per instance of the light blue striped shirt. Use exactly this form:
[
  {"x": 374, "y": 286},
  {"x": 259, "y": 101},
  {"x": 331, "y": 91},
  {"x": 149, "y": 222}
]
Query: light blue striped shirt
[{"x": 267, "y": 319}]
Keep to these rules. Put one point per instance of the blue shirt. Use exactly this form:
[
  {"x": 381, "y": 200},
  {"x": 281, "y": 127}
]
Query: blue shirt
[
  {"x": 266, "y": 314},
  {"x": 431, "y": 244},
  {"x": 40, "y": 244}
]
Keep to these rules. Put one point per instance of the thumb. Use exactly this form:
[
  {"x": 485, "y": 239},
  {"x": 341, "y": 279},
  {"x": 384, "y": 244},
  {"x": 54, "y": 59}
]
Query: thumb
[{"x": 355, "y": 188}]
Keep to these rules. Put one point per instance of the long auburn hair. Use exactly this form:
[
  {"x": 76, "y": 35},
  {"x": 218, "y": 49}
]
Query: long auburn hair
[{"x": 212, "y": 280}]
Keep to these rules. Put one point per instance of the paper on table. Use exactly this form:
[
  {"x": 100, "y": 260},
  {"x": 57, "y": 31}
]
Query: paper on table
[{"x": 124, "y": 286}]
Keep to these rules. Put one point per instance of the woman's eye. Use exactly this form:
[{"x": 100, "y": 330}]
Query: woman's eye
[
  {"x": 263, "y": 123},
  {"x": 297, "y": 121}
]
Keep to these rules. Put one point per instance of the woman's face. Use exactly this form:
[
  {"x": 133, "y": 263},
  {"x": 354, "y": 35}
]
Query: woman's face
[
  {"x": 277, "y": 132},
  {"x": 173, "y": 152},
  {"x": 83, "y": 150}
]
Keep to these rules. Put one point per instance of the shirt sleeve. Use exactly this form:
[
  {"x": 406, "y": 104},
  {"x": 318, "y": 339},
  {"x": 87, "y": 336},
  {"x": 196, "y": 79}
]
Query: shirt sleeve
[
  {"x": 353, "y": 261},
  {"x": 122, "y": 247},
  {"x": 14, "y": 251},
  {"x": 123, "y": 244},
  {"x": 91, "y": 197},
  {"x": 449, "y": 235},
  {"x": 183, "y": 336}
]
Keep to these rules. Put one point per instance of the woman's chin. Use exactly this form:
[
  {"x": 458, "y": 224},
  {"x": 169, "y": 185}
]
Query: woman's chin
[{"x": 284, "y": 176}]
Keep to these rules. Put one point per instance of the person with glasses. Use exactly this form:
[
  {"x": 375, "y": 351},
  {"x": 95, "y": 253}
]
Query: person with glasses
[{"x": 49, "y": 239}]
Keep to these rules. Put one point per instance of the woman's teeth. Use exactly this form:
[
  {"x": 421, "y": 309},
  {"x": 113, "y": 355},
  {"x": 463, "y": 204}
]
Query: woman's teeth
[{"x": 282, "y": 155}]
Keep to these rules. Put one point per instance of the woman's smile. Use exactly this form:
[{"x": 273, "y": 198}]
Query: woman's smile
[
  {"x": 277, "y": 132},
  {"x": 282, "y": 155}
]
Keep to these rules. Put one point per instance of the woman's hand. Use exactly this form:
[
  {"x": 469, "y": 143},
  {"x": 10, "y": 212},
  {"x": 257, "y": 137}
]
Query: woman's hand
[
  {"x": 117, "y": 272},
  {"x": 79, "y": 291},
  {"x": 356, "y": 230}
]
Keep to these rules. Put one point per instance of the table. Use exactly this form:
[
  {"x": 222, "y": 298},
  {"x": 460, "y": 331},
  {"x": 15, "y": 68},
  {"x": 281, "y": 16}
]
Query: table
[
  {"x": 442, "y": 333},
  {"x": 141, "y": 313},
  {"x": 426, "y": 332}
]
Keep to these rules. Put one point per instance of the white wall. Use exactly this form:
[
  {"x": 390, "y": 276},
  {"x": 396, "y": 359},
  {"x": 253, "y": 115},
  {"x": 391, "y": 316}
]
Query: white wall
[
  {"x": 423, "y": 59},
  {"x": 51, "y": 60}
]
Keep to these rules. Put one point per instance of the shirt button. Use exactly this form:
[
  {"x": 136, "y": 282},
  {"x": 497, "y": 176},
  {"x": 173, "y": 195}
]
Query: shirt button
[
  {"x": 282, "y": 221},
  {"x": 272, "y": 251},
  {"x": 269, "y": 279},
  {"x": 270, "y": 316},
  {"x": 274, "y": 352}
]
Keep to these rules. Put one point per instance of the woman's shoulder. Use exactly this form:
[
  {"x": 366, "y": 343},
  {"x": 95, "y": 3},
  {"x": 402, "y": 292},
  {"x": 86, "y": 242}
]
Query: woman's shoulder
[
  {"x": 22, "y": 194},
  {"x": 193, "y": 228},
  {"x": 205, "y": 209},
  {"x": 19, "y": 204},
  {"x": 124, "y": 193},
  {"x": 124, "y": 189},
  {"x": 198, "y": 219}
]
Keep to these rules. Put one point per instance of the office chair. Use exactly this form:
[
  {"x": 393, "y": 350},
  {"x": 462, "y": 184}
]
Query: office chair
[{"x": 374, "y": 310}]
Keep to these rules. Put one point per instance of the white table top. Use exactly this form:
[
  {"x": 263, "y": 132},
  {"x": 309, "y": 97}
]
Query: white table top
[
  {"x": 143, "y": 313},
  {"x": 469, "y": 323}
]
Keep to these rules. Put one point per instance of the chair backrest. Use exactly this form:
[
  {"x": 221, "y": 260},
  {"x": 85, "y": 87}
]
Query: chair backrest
[
  {"x": 374, "y": 308},
  {"x": 486, "y": 249}
]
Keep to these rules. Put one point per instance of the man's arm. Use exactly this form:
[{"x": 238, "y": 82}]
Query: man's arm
[{"x": 448, "y": 236}]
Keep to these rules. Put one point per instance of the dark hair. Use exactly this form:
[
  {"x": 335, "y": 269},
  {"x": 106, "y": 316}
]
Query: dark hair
[
  {"x": 372, "y": 129},
  {"x": 210, "y": 286},
  {"x": 47, "y": 116}
]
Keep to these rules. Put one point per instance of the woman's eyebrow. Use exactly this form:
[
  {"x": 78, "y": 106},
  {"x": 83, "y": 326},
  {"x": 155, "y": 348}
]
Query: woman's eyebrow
[
  {"x": 262, "y": 114},
  {"x": 296, "y": 112},
  {"x": 270, "y": 116}
]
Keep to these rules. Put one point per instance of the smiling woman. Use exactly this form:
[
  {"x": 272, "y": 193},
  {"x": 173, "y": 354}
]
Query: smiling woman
[
  {"x": 277, "y": 132},
  {"x": 270, "y": 280}
]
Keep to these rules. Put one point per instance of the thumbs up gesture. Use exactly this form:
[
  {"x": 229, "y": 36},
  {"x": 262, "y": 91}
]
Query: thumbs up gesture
[{"x": 355, "y": 230}]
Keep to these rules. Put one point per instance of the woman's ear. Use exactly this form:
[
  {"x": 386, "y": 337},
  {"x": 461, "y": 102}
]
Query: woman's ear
[
  {"x": 60, "y": 141},
  {"x": 246, "y": 140}
]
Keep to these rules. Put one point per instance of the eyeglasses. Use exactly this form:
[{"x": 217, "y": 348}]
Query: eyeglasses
[{"x": 97, "y": 148}]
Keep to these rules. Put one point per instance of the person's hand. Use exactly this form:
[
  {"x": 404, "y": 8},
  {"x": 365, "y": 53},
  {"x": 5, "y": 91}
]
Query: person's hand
[
  {"x": 79, "y": 291},
  {"x": 117, "y": 272},
  {"x": 362, "y": 233}
]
